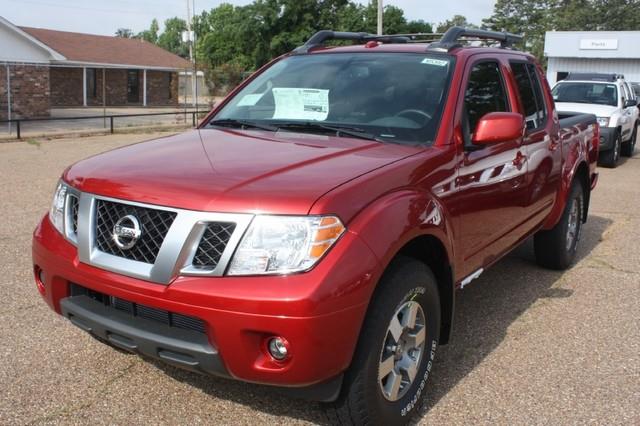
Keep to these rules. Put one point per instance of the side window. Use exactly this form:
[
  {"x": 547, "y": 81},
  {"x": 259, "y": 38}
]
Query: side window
[
  {"x": 531, "y": 94},
  {"x": 624, "y": 93},
  {"x": 540, "y": 100},
  {"x": 630, "y": 94},
  {"x": 485, "y": 93}
]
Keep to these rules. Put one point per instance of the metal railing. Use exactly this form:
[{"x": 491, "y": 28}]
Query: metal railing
[{"x": 18, "y": 121}]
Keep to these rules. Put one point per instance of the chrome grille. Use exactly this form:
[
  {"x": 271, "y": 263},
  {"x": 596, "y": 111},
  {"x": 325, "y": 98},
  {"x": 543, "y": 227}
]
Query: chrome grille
[
  {"x": 154, "y": 225},
  {"x": 212, "y": 244},
  {"x": 74, "y": 205}
]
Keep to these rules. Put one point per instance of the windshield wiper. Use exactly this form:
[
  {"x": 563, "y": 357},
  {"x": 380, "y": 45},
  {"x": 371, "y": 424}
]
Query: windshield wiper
[
  {"x": 338, "y": 130},
  {"x": 242, "y": 124}
]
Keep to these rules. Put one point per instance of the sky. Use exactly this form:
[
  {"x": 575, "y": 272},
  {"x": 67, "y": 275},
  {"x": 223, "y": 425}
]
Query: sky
[{"x": 105, "y": 17}]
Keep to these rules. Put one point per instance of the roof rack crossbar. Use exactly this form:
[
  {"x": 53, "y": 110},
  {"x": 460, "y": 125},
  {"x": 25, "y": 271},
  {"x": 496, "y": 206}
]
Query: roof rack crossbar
[
  {"x": 448, "y": 41},
  {"x": 455, "y": 34},
  {"x": 319, "y": 38}
]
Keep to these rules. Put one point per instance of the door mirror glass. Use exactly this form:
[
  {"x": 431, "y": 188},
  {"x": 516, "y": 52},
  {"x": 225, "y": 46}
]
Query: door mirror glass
[{"x": 498, "y": 127}]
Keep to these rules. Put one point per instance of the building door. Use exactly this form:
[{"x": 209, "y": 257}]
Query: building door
[{"x": 133, "y": 86}]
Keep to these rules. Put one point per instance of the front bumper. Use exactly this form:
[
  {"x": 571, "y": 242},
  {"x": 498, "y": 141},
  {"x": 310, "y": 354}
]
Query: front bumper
[
  {"x": 319, "y": 313},
  {"x": 607, "y": 138},
  {"x": 184, "y": 348}
]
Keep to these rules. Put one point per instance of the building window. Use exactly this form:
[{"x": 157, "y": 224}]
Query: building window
[
  {"x": 170, "y": 84},
  {"x": 133, "y": 86},
  {"x": 92, "y": 86},
  {"x": 561, "y": 76}
]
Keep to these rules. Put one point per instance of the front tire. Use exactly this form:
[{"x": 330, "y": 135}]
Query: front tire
[
  {"x": 629, "y": 147},
  {"x": 386, "y": 382},
  {"x": 556, "y": 248},
  {"x": 611, "y": 157}
]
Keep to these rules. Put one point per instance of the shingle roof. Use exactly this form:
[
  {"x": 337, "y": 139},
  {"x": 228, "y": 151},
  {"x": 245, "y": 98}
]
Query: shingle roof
[{"x": 79, "y": 47}]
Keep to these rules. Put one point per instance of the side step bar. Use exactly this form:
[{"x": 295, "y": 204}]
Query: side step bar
[{"x": 470, "y": 278}]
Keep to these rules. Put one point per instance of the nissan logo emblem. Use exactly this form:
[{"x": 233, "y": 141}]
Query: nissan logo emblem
[{"x": 127, "y": 232}]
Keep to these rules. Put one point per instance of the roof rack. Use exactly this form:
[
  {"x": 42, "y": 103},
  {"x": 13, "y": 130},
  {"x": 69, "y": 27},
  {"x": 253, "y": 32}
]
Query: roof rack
[
  {"x": 453, "y": 35},
  {"x": 439, "y": 42},
  {"x": 592, "y": 76},
  {"x": 319, "y": 38}
]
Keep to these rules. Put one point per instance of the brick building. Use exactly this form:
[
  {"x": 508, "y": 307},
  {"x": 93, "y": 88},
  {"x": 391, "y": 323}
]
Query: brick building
[{"x": 42, "y": 69}]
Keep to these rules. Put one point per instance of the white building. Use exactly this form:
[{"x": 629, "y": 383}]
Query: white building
[{"x": 592, "y": 51}]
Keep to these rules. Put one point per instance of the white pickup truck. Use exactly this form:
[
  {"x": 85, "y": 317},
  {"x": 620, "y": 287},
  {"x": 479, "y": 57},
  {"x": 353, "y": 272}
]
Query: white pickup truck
[{"x": 609, "y": 98}]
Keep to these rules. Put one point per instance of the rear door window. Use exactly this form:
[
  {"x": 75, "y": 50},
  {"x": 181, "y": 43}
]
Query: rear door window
[
  {"x": 531, "y": 94},
  {"x": 628, "y": 93},
  {"x": 485, "y": 93}
]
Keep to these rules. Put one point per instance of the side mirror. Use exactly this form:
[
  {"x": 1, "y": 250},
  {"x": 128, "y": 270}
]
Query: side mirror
[
  {"x": 498, "y": 127},
  {"x": 630, "y": 103}
]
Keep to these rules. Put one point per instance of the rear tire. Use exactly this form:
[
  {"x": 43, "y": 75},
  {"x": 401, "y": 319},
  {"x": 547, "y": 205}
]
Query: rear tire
[
  {"x": 556, "y": 248},
  {"x": 385, "y": 383},
  {"x": 610, "y": 158},
  {"x": 629, "y": 147}
]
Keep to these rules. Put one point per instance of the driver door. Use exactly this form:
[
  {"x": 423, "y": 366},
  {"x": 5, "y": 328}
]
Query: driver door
[{"x": 491, "y": 183}]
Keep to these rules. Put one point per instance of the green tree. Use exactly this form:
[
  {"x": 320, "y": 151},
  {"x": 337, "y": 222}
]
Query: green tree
[
  {"x": 419, "y": 26},
  {"x": 124, "y": 33},
  {"x": 150, "y": 35},
  {"x": 230, "y": 39},
  {"x": 531, "y": 18},
  {"x": 393, "y": 20},
  {"x": 455, "y": 21},
  {"x": 225, "y": 35},
  {"x": 171, "y": 37},
  {"x": 596, "y": 15},
  {"x": 353, "y": 17},
  {"x": 359, "y": 18}
]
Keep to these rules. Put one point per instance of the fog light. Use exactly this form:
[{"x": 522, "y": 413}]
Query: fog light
[
  {"x": 278, "y": 348},
  {"x": 40, "y": 280}
]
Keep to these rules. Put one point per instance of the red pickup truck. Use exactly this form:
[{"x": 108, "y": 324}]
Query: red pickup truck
[{"x": 312, "y": 232}]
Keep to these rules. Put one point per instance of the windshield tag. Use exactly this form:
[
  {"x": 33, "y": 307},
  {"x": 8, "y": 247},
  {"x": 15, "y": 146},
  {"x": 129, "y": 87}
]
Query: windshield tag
[
  {"x": 250, "y": 100},
  {"x": 301, "y": 104},
  {"x": 436, "y": 62}
]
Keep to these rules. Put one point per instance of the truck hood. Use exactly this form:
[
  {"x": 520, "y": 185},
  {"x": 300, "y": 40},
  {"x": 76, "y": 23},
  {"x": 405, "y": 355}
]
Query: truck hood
[
  {"x": 597, "y": 110},
  {"x": 232, "y": 170}
]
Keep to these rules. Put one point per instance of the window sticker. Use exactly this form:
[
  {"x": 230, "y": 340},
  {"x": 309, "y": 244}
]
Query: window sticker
[
  {"x": 436, "y": 62},
  {"x": 301, "y": 103},
  {"x": 250, "y": 100}
]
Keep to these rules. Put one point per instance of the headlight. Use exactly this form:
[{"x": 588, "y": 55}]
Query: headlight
[
  {"x": 603, "y": 121},
  {"x": 56, "y": 213},
  {"x": 284, "y": 244}
]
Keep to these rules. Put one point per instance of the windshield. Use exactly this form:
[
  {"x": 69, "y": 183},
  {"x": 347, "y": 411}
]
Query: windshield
[
  {"x": 395, "y": 97},
  {"x": 586, "y": 93}
]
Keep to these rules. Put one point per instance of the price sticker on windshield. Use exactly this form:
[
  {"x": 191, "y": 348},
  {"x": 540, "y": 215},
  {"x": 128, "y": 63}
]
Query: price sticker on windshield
[
  {"x": 301, "y": 103},
  {"x": 436, "y": 62}
]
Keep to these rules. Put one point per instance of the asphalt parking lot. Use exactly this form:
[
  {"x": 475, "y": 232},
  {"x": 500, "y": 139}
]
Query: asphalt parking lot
[{"x": 530, "y": 346}]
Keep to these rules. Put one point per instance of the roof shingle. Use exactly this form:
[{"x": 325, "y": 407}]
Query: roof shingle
[{"x": 90, "y": 48}]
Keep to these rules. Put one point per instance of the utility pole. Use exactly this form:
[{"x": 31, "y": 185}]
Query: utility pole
[
  {"x": 195, "y": 62},
  {"x": 190, "y": 38},
  {"x": 380, "y": 13}
]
